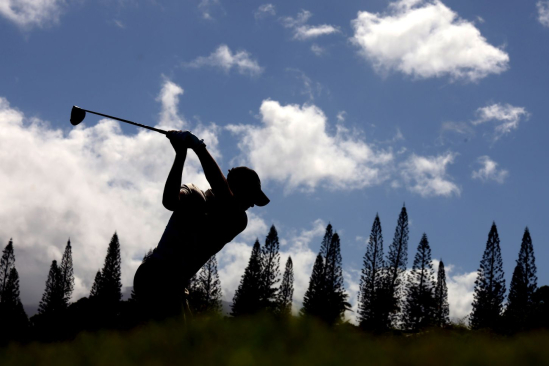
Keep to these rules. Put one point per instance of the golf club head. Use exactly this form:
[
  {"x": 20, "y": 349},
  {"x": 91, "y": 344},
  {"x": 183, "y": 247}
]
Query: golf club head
[{"x": 77, "y": 115}]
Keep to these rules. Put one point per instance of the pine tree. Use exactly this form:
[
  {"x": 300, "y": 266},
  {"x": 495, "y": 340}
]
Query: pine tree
[
  {"x": 519, "y": 311},
  {"x": 313, "y": 301},
  {"x": 96, "y": 285},
  {"x": 336, "y": 298},
  {"x": 441, "y": 315},
  {"x": 371, "y": 314},
  {"x": 52, "y": 300},
  {"x": 419, "y": 292},
  {"x": 207, "y": 287},
  {"x": 286, "y": 293},
  {"x": 13, "y": 318},
  {"x": 326, "y": 241},
  {"x": 67, "y": 274},
  {"x": 7, "y": 262},
  {"x": 246, "y": 300},
  {"x": 396, "y": 261},
  {"x": 326, "y": 298},
  {"x": 270, "y": 273},
  {"x": 489, "y": 286},
  {"x": 110, "y": 290},
  {"x": 11, "y": 289}
]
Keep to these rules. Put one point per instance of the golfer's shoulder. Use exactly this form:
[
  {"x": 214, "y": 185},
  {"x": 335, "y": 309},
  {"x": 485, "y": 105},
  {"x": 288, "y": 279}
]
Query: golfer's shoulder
[{"x": 191, "y": 191}]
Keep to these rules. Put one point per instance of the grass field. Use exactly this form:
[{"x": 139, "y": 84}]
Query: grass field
[{"x": 262, "y": 341}]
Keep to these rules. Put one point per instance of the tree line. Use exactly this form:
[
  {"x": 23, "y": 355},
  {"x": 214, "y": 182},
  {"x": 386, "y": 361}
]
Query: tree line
[{"x": 391, "y": 296}]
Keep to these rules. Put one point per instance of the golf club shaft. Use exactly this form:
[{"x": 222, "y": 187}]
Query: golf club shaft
[{"x": 125, "y": 120}]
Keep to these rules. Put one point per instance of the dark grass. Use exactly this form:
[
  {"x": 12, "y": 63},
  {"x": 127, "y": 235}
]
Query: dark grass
[{"x": 266, "y": 341}]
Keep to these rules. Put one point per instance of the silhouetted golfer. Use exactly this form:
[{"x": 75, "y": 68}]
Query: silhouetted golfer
[{"x": 200, "y": 226}]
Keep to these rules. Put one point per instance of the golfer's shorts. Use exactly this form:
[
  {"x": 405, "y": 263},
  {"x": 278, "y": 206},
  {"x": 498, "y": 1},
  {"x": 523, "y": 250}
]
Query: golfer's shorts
[{"x": 158, "y": 291}]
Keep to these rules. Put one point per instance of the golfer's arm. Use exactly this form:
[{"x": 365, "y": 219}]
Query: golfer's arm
[
  {"x": 213, "y": 173},
  {"x": 170, "y": 198}
]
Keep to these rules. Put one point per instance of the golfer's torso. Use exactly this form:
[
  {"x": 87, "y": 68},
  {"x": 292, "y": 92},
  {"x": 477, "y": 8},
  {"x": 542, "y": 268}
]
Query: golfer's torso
[{"x": 199, "y": 228}]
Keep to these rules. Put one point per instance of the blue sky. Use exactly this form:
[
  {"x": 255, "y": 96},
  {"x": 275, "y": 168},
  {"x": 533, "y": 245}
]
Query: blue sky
[{"x": 346, "y": 109}]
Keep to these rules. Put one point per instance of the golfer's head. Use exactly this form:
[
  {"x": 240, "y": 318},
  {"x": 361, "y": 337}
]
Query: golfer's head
[{"x": 246, "y": 186}]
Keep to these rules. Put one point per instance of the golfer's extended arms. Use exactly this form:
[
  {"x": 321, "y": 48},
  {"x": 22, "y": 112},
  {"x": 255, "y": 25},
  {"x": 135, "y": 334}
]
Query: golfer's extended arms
[
  {"x": 213, "y": 173},
  {"x": 170, "y": 198}
]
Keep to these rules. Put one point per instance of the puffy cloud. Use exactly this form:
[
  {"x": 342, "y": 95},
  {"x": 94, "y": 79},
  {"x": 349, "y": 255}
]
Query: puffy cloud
[
  {"x": 543, "y": 12},
  {"x": 226, "y": 60},
  {"x": 506, "y": 116},
  {"x": 426, "y": 175},
  {"x": 169, "y": 98},
  {"x": 425, "y": 38},
  {"x": 303, "y": 31},
  {"x": 293, "y": 146},
  {"x": 489, "y": 170},
  {"x": 29, "y": 13},
  {"x": 264, "y": 11},
  {"x": 84, "y": 184},
  {"x": 256, "y": 228}
]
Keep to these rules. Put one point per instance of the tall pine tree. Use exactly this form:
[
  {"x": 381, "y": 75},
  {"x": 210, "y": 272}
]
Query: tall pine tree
[
  {"x": 13, "y": 318},
  {"x": 489, "y": 286},
  {"x": 418, "y": 312},
  {"x": 313, "y": 301},
  {"x": 441, "y": 316},
  {"x": 326, "y": 298},
  {"x": 246, "y": 300},
  {"x": 286, "y": 292},
  {"x": 96, "y": 285},
  {"x": 52, "y": 303},
  {"x": 397, "y": 259},
  {"x": 336, "y": 298},
  {"x": 270, "y": 272},
  {"x": 110, "y": 289},
  {"x": 371, "y": 313},
  {"x": 519, "y": 311},
  {"x": 67, "y": 274},
  {"x": 207, "y": 289},
  {"x": 7, "y": 262}
]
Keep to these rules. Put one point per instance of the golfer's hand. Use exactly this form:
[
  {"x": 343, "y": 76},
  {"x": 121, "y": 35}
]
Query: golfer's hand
[{"x": 182, "y": 140}]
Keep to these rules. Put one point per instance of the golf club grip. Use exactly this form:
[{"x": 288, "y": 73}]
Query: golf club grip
[{"x": 130, "y": 122}]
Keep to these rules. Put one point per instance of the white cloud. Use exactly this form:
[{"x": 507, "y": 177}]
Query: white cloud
[
  {"x": 507, "y": 116},
  {"x": 460, "y": 291},
  {"x": 206, "y": 7},
  {"x": 303, "y": 31},
  {"x": 169, "y": 98},
  {"x": 425, "y": 38},
  {"x": 310, "y": 87},
  {"x": 256, "y": 228},
  {"x": 29, "y": 13},
  {"x": 119, "y": 24},
  {"x": 264, "y": 11},
  {"x": 352, "y": 287},
  {"x": 84, "y": 184},
  {"x": 426, "y": 175},
  {"x": 341, "y": 116},
  {"x": 317, "y": 50},
  {"x": 293, "y": 146},
  {"x": 543, "y": 12},
  {"x": 223, "y": 58},
  {"x": 489, "y": 170}
]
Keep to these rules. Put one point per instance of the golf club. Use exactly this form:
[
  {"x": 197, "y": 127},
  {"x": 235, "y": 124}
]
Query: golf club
[{"x": 78, "y": 114}]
